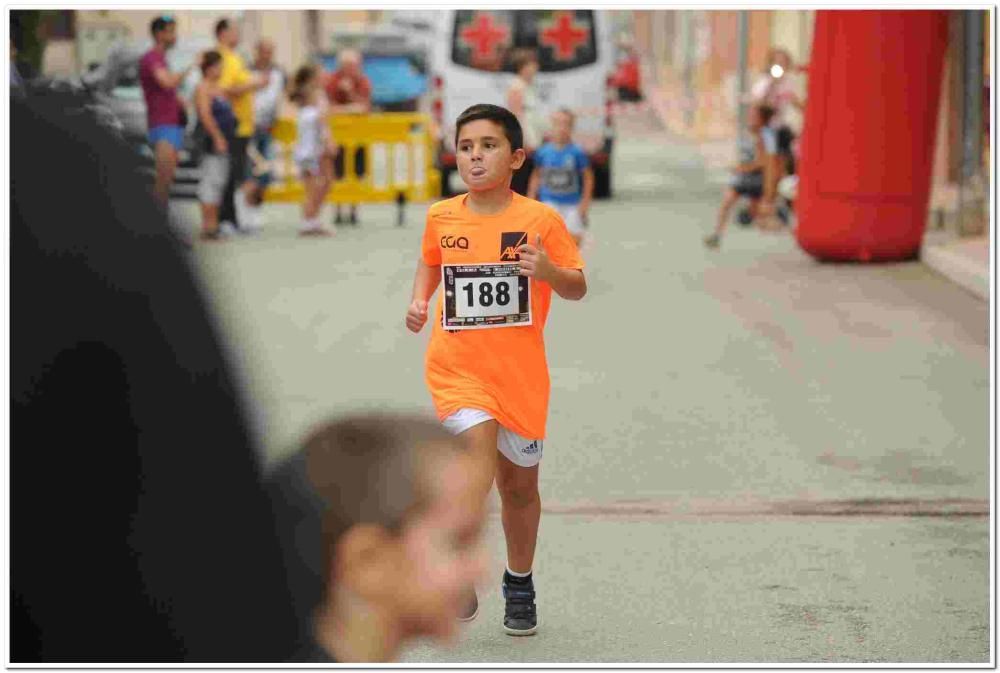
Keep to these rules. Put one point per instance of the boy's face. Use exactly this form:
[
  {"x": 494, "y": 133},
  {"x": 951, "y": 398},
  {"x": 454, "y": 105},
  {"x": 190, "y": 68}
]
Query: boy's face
[
  {"x": 485, "y": 160},
  {"x": 562, "y": 127},
  {"x": 440, "y": 553}
]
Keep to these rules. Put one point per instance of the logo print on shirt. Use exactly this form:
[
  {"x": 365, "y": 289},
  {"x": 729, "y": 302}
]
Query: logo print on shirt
[
  {"x": 461, "y": 242},
  {"x": 510, "y": 241}
]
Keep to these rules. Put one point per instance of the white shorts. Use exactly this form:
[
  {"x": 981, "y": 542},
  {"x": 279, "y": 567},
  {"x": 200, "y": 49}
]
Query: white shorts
[
  {"x": 570, "y": 212},
  {"x": 309, "y": 165},
  {"x": 214, "y": 173},
  {"x": 517, "y": 449}
]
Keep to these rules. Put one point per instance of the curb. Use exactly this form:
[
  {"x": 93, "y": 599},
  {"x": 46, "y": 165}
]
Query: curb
[{"x": 959, "y": 269}]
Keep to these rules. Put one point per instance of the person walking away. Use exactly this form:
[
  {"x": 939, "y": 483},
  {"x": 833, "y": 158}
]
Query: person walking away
[
  {"x": 349, "y": 92},
  {"x": 748, "y": 175},
  {"x": 265, "y": 107},
  {"x": 164, "y": 110},
  {"x": 239, "y": 84},
  {"x": 503, "y": 256},
  {"x": 522, "y": 100},
  {"x": 314, "y": 148},
  {"x": 563, "y": 178},
  {"x": 218, "y": 123}
]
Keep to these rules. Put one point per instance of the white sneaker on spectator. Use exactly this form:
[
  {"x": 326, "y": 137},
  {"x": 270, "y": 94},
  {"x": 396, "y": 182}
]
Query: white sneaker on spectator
[
  {"x": 244, "y": 215},
  {"x": 251, "y": 222},
  {"x": 227, "y": 229}
]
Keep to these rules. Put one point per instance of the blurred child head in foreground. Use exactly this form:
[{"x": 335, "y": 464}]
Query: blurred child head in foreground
[{"x": 401, "y": 532}]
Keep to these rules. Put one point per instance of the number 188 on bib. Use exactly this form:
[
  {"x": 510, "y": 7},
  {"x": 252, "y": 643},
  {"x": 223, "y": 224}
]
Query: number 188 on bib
[{"x": 485, "y": 295}]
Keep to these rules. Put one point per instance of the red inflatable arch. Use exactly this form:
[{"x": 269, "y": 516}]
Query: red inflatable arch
[{"x": 868, "y": 140}]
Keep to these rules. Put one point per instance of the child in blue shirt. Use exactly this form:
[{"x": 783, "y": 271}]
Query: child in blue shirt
[{"x": 563, "y": 178}]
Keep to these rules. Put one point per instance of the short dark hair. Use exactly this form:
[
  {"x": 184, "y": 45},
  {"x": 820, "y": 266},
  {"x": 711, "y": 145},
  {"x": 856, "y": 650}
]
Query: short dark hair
[
  {"x": 303, "y": 76},
  {"x": 766, "y": 112},
  {"x": 208, "y": 59},
  {"x": 160, "y": 23},
  {"x": 374, "y": 468},
  {"x": 494, "y": 113},
  {"x": 569, "y": 113},
  {"x": 221, "y": 26},
  {"x": 522, "y": 57}
]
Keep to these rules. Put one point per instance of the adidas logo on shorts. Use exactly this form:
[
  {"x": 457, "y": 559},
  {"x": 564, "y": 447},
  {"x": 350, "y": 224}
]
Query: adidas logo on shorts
[{"x": 531, "y": 448}]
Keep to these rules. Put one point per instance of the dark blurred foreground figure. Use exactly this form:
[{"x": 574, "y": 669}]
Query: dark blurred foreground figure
[
  {"x": 140, "y": 530},
  {"x": 381, "y": 526}
]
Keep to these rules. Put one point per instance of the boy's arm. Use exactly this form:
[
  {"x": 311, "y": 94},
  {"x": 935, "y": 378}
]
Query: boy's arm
[
  {"x": 567, "y": 283},
  {"x": 424, "y": 284},
  {"x": 426, "y": 281},
  {"x": 533, "y": 183},
  {"x": 760, "y": 159},
  {"x": 588, "y": 189}
]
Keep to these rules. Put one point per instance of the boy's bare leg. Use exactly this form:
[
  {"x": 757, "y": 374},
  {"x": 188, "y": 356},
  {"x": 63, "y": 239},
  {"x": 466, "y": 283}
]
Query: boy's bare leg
[
  {"x": 482, "y": 441},
  {"x": 730, "y": 198},
  {"x": 521, "y": 510}
]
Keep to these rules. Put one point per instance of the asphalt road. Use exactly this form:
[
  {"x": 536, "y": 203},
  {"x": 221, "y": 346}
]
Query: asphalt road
[{"x": 752, "y": 457}]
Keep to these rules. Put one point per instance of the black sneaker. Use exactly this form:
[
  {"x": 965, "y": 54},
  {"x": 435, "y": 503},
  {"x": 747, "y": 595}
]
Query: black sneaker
[
  {"x": 471, "y": 609},
  {"x": 520, "y": 618}
]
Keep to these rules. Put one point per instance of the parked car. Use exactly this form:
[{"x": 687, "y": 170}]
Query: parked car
[
  {"x": 115, "y": 86},
  {"x": 471, "y": 64}
]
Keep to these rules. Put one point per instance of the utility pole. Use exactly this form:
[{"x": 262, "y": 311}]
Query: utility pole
[
  {"x": 742, "y": 48},
  {"x": 312, "y": 32},
  {"x": 971, "y": 188}
]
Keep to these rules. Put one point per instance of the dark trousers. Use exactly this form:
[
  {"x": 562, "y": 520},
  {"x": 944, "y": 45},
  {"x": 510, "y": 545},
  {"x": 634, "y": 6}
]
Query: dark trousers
[{"x": 237, "y": 175}]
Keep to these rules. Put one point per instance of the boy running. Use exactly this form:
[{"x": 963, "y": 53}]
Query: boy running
[
  {"x": 501, "y": 256},
  {"x": 556, "y": 180}
]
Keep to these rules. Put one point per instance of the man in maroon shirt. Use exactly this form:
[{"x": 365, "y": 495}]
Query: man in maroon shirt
[
  {"x": 164, "y": 110},
  {"x": 349, "y": 91}
]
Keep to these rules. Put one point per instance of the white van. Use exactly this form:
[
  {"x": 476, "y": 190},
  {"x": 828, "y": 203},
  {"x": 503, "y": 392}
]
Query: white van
[{"x": 470, "y": 63}]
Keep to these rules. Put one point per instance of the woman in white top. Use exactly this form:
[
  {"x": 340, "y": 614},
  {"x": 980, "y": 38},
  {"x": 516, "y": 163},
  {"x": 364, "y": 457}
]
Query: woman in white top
[
  {"x": 522, "y": 100},
  {"x": 314, "y": 147}
]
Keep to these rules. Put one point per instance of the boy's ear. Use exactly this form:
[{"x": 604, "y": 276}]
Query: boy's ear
[
  {"x": 518, "y": 158},
  {"x": 364, "y": 560}
]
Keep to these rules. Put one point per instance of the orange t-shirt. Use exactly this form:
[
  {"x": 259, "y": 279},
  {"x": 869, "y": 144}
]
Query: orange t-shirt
[{"x": 500, "y": 370}]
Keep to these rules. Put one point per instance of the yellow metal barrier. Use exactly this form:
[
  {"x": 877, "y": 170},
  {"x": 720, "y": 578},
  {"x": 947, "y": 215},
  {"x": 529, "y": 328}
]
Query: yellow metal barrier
[{"x": 398, "y": 159}]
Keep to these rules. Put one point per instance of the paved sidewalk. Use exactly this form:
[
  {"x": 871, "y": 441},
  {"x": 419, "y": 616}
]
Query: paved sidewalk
[{"x": 964, "y": 261}]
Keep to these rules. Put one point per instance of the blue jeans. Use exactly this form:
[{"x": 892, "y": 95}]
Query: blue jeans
[{"x": 262, "y": 140}]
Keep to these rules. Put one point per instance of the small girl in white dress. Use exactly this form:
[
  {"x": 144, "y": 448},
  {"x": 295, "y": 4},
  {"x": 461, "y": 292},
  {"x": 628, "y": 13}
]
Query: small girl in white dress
[{"x": 314, "y": 147}]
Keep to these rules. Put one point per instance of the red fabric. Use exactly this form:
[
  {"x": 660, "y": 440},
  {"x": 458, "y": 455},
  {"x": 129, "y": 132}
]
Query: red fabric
[
  {"x": 362, "y": 92},
  {"x": 162, "y": 106},
  {"x": 627, "y": 76},
  {"x": 868, "y": 140}
]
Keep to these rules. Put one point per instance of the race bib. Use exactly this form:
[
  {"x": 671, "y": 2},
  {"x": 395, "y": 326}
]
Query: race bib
[
  {"x": 478, "y": 296},
  {"x": 562, "y": 180}
]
